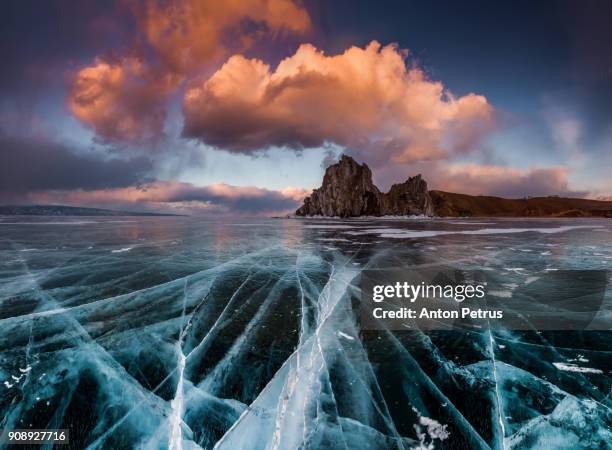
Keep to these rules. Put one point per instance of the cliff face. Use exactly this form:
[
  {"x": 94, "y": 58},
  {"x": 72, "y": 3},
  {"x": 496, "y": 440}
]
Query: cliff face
[
  {"x": 408, "y": 198},
  {"x": 348, "y": 191}
]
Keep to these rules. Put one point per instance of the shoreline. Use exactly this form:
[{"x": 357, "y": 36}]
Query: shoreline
[{"x": 422, "y": 217}]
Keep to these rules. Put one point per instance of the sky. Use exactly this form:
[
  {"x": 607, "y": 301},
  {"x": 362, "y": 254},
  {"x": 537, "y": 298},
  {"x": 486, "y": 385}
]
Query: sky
[{"x": 236, "y": 107}]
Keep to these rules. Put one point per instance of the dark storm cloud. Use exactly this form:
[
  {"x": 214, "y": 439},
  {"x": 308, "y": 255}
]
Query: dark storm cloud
[
  {"x": 39, "y": 41},
  {"x": 591, "y": 36},
  {"x": 591, "y": 64},
  {"x": 28, "y": 165}
]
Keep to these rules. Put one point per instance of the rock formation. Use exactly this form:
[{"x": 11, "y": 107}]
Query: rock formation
[
  {"x": 348, "y": 191},
  {"x": 408, "y": 198}
]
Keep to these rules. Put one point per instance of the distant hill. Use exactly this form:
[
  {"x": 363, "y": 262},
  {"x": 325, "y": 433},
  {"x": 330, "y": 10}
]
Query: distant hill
[
  {"x": 61, "y": 210},
  {"x": 448, "y": 204}
]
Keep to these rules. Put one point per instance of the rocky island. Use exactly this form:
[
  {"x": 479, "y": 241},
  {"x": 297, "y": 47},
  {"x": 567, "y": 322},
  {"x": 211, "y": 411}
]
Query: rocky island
[{"x": 348, "y": 191}]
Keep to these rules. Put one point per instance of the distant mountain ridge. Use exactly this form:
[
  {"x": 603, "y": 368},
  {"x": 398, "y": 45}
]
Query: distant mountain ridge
[
  {"x": 348, "y": 191},
  {"x": 62, "y": 210}
]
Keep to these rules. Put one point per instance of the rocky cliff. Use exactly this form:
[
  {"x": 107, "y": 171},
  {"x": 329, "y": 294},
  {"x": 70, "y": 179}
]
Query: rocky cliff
[
  {"x": 408, "y": 198},
  {"x": 348, "y": 191}
]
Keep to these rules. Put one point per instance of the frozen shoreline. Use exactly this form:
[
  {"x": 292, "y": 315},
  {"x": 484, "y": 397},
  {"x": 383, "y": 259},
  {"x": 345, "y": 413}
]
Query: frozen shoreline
[{"x": 417, "y": 217}]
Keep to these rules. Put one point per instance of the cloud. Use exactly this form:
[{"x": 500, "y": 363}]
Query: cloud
[
  {"x": 365, "y": 99},
  {"x": 124, "y": 98},
  {"x": 502, "y": 181},
  {"x": 30, "y": 165},
  {"x": 187, "y": 34},
  {"x": 567, "y": 129},
  {"x": 121, "y": 100},
  {"x": 171, "y": 195}
]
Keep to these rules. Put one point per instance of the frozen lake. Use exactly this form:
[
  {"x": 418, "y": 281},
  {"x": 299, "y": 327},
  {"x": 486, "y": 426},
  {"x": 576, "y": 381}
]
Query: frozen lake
[{"x": 176, "y": 332}]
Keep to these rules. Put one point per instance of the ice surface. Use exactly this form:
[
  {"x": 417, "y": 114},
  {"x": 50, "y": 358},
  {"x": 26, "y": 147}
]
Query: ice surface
[
  {"x": 574, "y": 368},
  {"x": 245, "y": 335},
  {"x": 403, "y": 233},
  {"x": 122, "y": 250}
]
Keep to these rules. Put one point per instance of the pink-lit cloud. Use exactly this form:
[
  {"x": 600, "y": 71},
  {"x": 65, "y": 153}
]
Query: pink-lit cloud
[
  {"x": 188, "y": 34},
  {"x": 177, "y": 196},
  {"x": 122, "y": 100},
  {"x": 366, "y": 99},
  {"x": 502, "y": 181},
  {"x": 125, "y": 99}
]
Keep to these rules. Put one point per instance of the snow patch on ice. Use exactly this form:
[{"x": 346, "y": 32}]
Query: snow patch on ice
[
  {"x": 429, "y": 430},
  {"x": 465, "y": 222},
  {"x": 330, "y": 226},
  {"x": 501, "y": 294},
  {"x": 398, "y": 233},
  {"x": 122, "y": 250},
  {"x": 569, "y": 367}
]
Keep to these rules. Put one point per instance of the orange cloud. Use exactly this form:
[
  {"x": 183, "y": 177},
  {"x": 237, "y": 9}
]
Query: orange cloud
[
  {"x": 187, "y": 34},
  {"x": 121, "y": 100},
  {"x": 164, "y": 195},
  {"x": 502, "y": 181},
  {"x": 365, "y": 99},
  {"x": 125, "y": 99}
]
